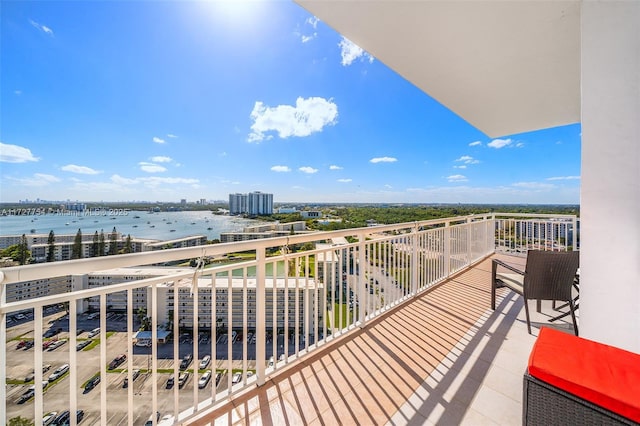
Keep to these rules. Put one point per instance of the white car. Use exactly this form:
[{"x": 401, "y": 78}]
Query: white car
[
  {"x": 204, "y": 379},
  {"x": 205, "y": 362},
  {"x": 237, "y": 378},
  {"x": 59, "y": 372},
  {"x": 47, "y": 419}
]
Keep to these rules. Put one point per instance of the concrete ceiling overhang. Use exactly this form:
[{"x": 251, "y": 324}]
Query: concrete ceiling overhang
[{"x": 506, "y": 67}]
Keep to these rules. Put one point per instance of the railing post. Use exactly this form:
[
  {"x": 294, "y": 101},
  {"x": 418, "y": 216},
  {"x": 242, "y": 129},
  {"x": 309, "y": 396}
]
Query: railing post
[
  {"x": 360, "y": 269},
  {"x": 574, "y": 239},
  {"x": 414, "y": 261},
  {"x": 469, "y": 240},
  {"x": 261, "y": 309},
  {"x": 446, "y": 255}
]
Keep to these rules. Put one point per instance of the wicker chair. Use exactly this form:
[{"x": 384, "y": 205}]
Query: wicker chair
[{"x": 548, "y": 275}]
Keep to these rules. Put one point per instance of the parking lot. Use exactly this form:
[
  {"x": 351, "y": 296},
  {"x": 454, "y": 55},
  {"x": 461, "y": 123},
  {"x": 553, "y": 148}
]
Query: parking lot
[{"x": 20, "y": 363}]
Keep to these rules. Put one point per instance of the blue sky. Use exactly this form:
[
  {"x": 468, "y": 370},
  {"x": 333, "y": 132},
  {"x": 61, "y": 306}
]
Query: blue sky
[{"x": 159, "y": 101}]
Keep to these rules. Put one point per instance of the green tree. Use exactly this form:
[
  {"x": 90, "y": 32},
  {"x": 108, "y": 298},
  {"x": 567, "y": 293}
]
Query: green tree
[
  {"x": 128, "y": 248},
  {"x": 20, "y": 421},
  {"x": 23, "y": 250},
  {"x": 113, "y": 242},
  {"x": 101, "y": 244},
  {"x": 95, "y": 246},
  {"x": 51, "y": 248},
  {"x": 76, "y": 251},
  {"x": 18, "y": 252}
]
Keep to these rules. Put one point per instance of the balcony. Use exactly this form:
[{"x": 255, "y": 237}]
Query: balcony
[{"x": 392, "y": 326}]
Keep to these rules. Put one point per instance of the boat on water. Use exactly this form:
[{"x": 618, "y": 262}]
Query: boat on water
[
  {"x": 33, "y": 231},
  {"x": 172, "y": 230},
  {"x": 136, "y": 217},
  {"x": 209, "y": 228}
]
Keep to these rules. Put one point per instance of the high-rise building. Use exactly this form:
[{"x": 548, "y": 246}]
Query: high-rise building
[{"x": 254, "y": 203}]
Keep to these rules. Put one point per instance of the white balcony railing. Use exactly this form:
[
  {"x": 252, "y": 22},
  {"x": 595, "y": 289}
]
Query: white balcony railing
[{"x": 292, "y": 295}]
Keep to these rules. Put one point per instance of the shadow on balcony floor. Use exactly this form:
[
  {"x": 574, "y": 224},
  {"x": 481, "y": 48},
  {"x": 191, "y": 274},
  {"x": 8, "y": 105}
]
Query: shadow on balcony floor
[{"x": 442, "y": 358}]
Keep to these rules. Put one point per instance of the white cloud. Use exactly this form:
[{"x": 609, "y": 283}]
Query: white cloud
[
  {"x": 334, "y": 167},
  {"x": 151, "y": 167},
  {"x": 15, "y": 154},
  {"x": 122, "y": 180},
  {"x": 463, "y": 166},
  {"x": 466, "y": 159},
  {"x": 476, "y": 143},
  {"x": 158, "y": 140},
  {"x": 520, "y": 145},
  {"x": 564, "y": 178},
  {"x": 387, "y": 186},
  {"x": 171, "y": 135},
  {"x": 83, "y": 170},
  {"x": 161, "y": 159},
  {"x": 457, "y": 178},
  {"x": 38, "y": 180},
  {"x": 17, "y": 92},
  {"x": 156, "y": 181},
  {"x": 345, "y": 180},
  {"x": 307, "y": 169},
  {"x": 499, "y": 143},
  {"x": 306, "y": 117},
  {"x": 280, "y": 169},
  {"x": 349, "y": 51},
  {"x": 41, "y": 27},
  {"x": 383, "y": 160},
  {"x": 307, "y": 38},
  {"x": 313, "y": 21},
  {"x": 533, "y": 185}
]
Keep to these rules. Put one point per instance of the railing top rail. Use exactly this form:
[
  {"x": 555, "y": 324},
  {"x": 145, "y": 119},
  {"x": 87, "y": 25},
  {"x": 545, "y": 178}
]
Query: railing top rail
[
  {"x": 15, "y": 274},
  {"x": 535, "y": 215}
]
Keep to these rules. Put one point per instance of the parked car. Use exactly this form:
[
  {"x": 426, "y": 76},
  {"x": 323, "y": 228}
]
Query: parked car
[
  {"x": 237, "y": 378},
  {"x": 134, "y": 375},
  {"x": 21, "y": 344},
  {"x": 80, "y": 346},
  {"x": 183, "y": 379},
  {"x": 48, "y": 418},
  {"x": 63, "y": 418},
  {"x": 170, "y": 382},
  {"x": 92, "y": 383},
  {"x": 186, "y": 361},
  {"x": 28, "y": 345},
  {"x": 26, "y": 396},
  {"x": 59, "y": 372},
  {"x": 149, "y": 421},
  {"x": 56, "y": 344},
  {"x": 117, "y": 361},
  {"x": 204, "y": 379},
  {"x": 205, "y": 362},
  {"x": 94, "y": 332}
]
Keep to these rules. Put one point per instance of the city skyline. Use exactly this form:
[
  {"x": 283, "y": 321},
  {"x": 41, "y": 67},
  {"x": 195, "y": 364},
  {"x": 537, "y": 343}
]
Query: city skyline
[{"x": 200, "y": 100}]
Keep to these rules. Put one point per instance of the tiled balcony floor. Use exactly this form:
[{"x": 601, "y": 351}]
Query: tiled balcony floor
[{"x": 443, "y": 358}]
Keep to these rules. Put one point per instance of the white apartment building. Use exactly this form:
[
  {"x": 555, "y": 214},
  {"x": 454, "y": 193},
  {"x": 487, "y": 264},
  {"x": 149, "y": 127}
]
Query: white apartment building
[
  {"x": 118, "y": 301},
  {"x": 253, "y": 203},
  {"x": 304, "y": 298},
  {"x": 268, "y": 230}
]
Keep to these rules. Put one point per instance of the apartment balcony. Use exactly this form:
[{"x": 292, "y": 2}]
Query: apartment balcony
[{"x": 404, "y": 334}]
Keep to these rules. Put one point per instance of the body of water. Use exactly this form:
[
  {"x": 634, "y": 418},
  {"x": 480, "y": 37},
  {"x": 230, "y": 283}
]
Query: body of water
[{"x": 138, "y": 224}]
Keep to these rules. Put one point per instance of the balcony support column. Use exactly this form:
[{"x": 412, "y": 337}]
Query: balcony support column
[
  {"x": 610, "y": 189},
  {"x": 360, "y": 273}
]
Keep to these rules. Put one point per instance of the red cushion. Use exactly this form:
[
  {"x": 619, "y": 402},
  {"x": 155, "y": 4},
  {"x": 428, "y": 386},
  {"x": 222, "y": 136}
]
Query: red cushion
[{"x": 601, "y": 374}]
